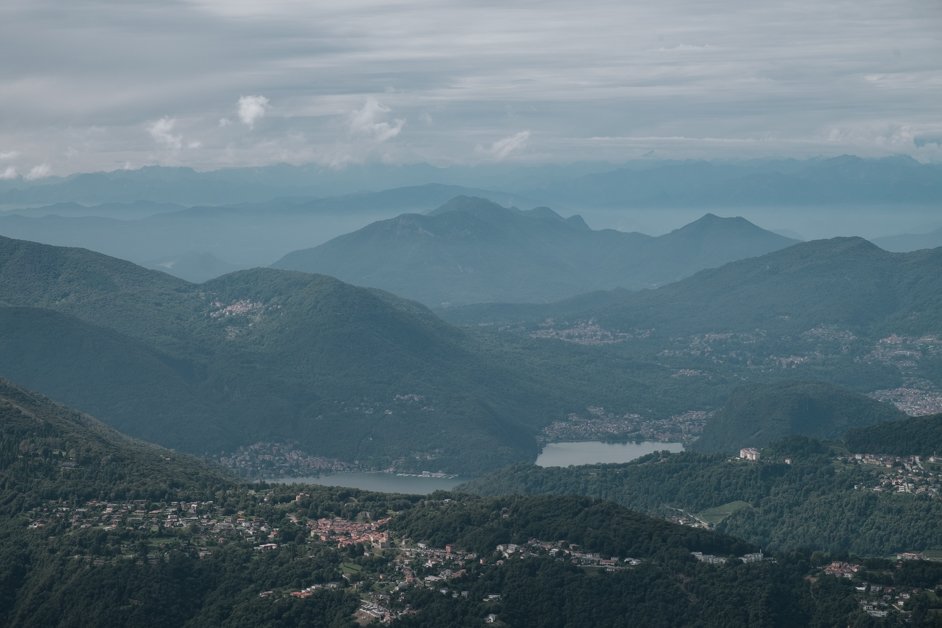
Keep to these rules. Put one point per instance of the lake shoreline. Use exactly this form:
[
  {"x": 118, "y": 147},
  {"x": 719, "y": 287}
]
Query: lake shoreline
[{"x": 560, "y": 454}]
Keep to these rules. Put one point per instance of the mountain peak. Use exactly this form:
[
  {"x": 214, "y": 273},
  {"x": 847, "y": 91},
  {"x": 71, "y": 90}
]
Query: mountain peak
[{"x": 715, "y": 225}]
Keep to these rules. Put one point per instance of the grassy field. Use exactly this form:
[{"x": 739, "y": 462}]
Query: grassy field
[
  {"x": 717, "y": 514},
  {"x": 350, "y": 568}
]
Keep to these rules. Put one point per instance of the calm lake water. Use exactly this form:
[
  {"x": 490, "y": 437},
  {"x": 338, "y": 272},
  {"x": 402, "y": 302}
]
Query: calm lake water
[
  {"x": 597, "y": 452},
  {"x": 380, "y": 482},
  {"x": 553, "y": 455}
]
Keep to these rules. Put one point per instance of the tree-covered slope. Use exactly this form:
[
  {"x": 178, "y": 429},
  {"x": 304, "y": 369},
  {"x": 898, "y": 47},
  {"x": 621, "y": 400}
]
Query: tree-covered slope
[
  {"x": 912, "y": 436},
  {"x": 126, "y": 382},
  {"x": 49, "y": 451},
  {"x": 847, "y": 282},
  {"x": 758, "y": 414},
  {"x": 818, "y": 500},
  {"x": 473, "y": 250},
  {"x": 103, "y": 290}
]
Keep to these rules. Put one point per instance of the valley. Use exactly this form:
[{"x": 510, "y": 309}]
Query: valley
[{"x": 730, "y": 439}]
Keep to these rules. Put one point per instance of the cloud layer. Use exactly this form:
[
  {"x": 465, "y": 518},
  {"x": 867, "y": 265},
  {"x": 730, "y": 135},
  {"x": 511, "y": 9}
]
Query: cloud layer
[{"x": 449, "y": 81}]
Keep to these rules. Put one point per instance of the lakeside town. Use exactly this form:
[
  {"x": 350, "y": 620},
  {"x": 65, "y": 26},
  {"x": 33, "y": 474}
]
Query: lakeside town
[{"x": 598, "y": 423}]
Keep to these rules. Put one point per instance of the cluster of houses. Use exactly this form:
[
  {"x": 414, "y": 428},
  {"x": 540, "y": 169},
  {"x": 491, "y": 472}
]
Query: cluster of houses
[
  {"x": 903, "y": 474},
  {"x": 877, "y": 600},
  {"x": 711, "y": 559},
  {"x": 273, "y": 460},
  {"x": 201, "y": 517},
  {"x": 581, "y": 333},
  {"x": 599, "y": 423},
  {"x": 343, "y": 532},
  {"x": 562, "y": 550}
]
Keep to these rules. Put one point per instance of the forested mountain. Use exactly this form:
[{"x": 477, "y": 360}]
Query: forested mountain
[
  {"x": 473, "y": 250},
  {"x": 347, "y": 373},
  {"x": 758, "y": 414},
  {"x": 50, "y": 451},
  {"x": 261, "y": 356}
]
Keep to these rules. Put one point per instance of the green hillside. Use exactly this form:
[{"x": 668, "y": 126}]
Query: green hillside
[
  {"x": 263, "y": 356},
  {"x": 756, "y": 415},
  {"x": 912, "y": 436},
  {"x": 49, "y": 451},
  {"x": 820, "y": 499}
]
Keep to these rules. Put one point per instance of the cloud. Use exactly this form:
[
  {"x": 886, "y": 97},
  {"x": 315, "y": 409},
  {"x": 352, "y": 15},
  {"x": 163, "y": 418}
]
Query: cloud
[
  {"x": 251, "y": 109},
  {"x": 8, "y": 173},
  {"x": 564, "y": 71},
  {"x": 38, "y": 172},
  {"x": 8, "y": 155},
  {"x": 370, "y": 121},
  {"x": 927, "y": 139},
  {"x": 162, "y": 132},
  {"x": 503, "y": 147}
]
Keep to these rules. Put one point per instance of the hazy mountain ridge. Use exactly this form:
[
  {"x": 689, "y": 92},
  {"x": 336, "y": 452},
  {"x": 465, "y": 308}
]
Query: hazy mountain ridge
[
  {"x": 911, "y": 241},
  {"x": 837, "y": 180},
  {"x": 642, "y": 183},
  {"x": 242, "y": 232},
  {"x": 473, "y": 250}
]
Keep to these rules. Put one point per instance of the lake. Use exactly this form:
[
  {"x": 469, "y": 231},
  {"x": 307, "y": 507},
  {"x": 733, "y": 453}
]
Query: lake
[
  {"x": 597, "y": 452},
  {"x": 380, "y": 482},
  {"x": 553, "y": 455}
]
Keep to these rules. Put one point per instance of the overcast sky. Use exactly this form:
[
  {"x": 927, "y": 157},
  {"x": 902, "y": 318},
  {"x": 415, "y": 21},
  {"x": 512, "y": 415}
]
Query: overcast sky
[{"x": 91, "y": 85}]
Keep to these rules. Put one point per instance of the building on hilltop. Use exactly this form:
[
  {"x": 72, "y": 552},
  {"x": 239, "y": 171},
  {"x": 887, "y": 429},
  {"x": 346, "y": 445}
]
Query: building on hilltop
[{"x": 749, "y": 453}]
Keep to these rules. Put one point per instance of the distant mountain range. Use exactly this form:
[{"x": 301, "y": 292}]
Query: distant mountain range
[
  {"x": 911, "y": 241},
  {"x": 844, "y": 180},
  {"x": 245, "y": 234},
  {"x": 473, "y": 250}
]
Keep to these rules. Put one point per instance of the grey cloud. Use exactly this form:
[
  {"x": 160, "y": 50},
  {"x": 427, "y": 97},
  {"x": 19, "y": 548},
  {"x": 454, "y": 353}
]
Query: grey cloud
[{"x": 798, "y": 78}]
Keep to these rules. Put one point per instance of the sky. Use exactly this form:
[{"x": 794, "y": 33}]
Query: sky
[{"x": 91, "y": 85}]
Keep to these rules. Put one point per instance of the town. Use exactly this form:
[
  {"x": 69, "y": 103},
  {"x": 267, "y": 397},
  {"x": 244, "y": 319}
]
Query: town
[{"x": 902, "y": 474}]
